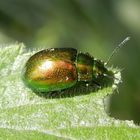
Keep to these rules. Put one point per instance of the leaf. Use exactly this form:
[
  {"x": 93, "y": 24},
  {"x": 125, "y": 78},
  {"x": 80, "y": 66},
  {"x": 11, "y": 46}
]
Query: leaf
[{"x": 25, "y": 115}]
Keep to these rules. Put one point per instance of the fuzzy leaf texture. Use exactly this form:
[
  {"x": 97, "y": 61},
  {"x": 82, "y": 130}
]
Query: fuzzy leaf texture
[{"x": 25, "y": 115}]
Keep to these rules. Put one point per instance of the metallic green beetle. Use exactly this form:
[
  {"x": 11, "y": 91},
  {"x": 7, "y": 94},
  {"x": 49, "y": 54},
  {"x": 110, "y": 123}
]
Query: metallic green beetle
[{"x": 56, "y": 69}]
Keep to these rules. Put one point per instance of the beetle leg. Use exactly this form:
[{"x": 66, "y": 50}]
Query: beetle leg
[{"x": 97, "y": 84}]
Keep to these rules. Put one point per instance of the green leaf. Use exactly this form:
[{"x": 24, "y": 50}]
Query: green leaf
[{"x": 25, "y": 115}]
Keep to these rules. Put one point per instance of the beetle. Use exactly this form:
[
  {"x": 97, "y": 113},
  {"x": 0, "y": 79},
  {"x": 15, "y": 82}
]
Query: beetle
[
  {"x": 56, "y": 69},
  {"x": 61, "y": 68}
]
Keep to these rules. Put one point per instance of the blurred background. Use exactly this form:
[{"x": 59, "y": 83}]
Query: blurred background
[{"x": 95, "y": 26}]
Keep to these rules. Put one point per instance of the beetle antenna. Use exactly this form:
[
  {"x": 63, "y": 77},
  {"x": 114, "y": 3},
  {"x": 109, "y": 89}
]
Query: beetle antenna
[{"x": 117, "y": 49}]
